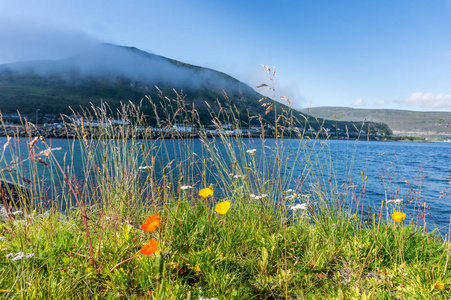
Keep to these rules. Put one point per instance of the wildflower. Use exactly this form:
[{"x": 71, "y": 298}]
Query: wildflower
[
  {"x": 222, "y": 207},
  {"x": 186, "y": 187},
  {"x": 197, "y": 268},
  {"x": 291, "y": 197},
  {"x": 395, "y": 201},
  {"x": 299, "y": 206},
  {"x": 9, "y": 255},
  {"x": 151, "y": 223},
  {"x": 258, "y": 197},
  {"x": 398, "y": 216},
  {"x": 30, "y": 255},
  {"x": 206, "y": 192},
  {"x": 2, "y": 238},
  {"x": 251, "y": 151},
  {"x": 440, "y": 285},
  {"x": 149, "y": 248},
  {"x": 19, "y": 256}
]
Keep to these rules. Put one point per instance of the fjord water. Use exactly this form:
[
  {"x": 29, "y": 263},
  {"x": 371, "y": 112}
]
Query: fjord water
[{"x": 390, "y": 170}]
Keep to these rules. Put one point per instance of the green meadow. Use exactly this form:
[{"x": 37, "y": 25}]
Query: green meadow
[{"x": 232, "y": 224}]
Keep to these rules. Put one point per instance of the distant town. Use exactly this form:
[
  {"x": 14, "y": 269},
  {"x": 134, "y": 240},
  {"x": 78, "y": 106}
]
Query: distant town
[{"x": 49, "y": 123}]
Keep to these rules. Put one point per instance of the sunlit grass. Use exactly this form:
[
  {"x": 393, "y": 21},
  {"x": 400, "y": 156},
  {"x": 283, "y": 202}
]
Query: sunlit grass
[{"x": 163, "y": 220}]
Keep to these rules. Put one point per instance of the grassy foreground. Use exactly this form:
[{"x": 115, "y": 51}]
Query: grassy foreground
[{"x": 281, "y": 238}]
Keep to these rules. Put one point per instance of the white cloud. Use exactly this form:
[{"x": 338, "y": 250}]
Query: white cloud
[
  {"x": 381, "y": 103},
  {"x": 428, "y": 101},
  {"x": 358, "y": 102}
]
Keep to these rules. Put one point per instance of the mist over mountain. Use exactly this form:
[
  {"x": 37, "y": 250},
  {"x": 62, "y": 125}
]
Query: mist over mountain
[
  {"x": 118, "y": 62},
  {"x": 115, "y": 74}
]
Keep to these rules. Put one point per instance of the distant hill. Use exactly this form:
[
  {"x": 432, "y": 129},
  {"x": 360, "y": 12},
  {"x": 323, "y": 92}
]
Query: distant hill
[
  {"x": 114, "y": 74},
  {"x": 120, "y": 74},
  {"x": 432, "y": 125}
]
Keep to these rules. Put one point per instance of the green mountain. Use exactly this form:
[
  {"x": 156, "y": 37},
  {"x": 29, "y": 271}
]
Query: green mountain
[
  {"x": 118, "y": 74},
  {"x": 431, "y": 125},
  {"x": 115, "y": 74}
]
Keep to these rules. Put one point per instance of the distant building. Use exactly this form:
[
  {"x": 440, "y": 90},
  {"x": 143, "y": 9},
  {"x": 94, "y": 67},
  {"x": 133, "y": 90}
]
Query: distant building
[
  {"x": 80, "y": 120},
  {"x": 182, "y": 127},
  {"x": 15, "y": 116},
  {"x": 50, "y": 116}
]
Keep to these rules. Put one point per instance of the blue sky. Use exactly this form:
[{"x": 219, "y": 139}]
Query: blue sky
[{"x": 366, "y": 54}]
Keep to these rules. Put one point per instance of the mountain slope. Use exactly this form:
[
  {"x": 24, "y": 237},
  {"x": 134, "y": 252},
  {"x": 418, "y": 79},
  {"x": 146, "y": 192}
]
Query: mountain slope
[
  {"x": 114, "y": 74},
  {"x": 120, "y": 74},
  {"x": 433, "y": 125}
]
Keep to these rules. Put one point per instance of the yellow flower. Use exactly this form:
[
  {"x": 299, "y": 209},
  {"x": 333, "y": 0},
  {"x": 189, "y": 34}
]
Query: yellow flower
[
  {"x": 206, "y": 192},
  {"x": 197, "y": 268},
  {"x": 398, "y": 216},
  {"x": 222, "y": 207},
  {"x": 440, "y": 285}
]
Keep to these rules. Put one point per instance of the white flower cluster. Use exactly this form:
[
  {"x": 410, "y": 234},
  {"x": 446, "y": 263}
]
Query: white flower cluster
[
  {"x": 251, "y": 151},
  {"x": 186, "y": 187},
  {"x": 237, "y": 176},
  {"x": 291, "y": 197},
  {"x": 395, "y": 201},
  {"x": 258, "y": 197},
  {"x": 19, "y": 256},
  {"x": 2, "y": 238},
  {"x": 299, "y": 206}
]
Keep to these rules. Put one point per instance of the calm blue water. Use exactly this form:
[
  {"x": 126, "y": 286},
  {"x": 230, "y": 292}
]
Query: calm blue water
[{"x": 392, "y": 169}]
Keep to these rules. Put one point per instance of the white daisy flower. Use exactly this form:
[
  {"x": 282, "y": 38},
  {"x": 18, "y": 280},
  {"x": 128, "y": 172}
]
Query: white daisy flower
[
  {"x": 395, "y": 201},
  {"x": 19, "y": 256},
  {"x": 299, "y": 206}
]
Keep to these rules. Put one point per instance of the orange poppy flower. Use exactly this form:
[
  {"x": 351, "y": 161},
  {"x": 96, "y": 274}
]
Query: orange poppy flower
[
  {"x": 150, "y": 248},
  {"x": 151, "y": 223}
]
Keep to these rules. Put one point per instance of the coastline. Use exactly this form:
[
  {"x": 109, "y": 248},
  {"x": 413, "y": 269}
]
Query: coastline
[{"x": 70, "y": 131}]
